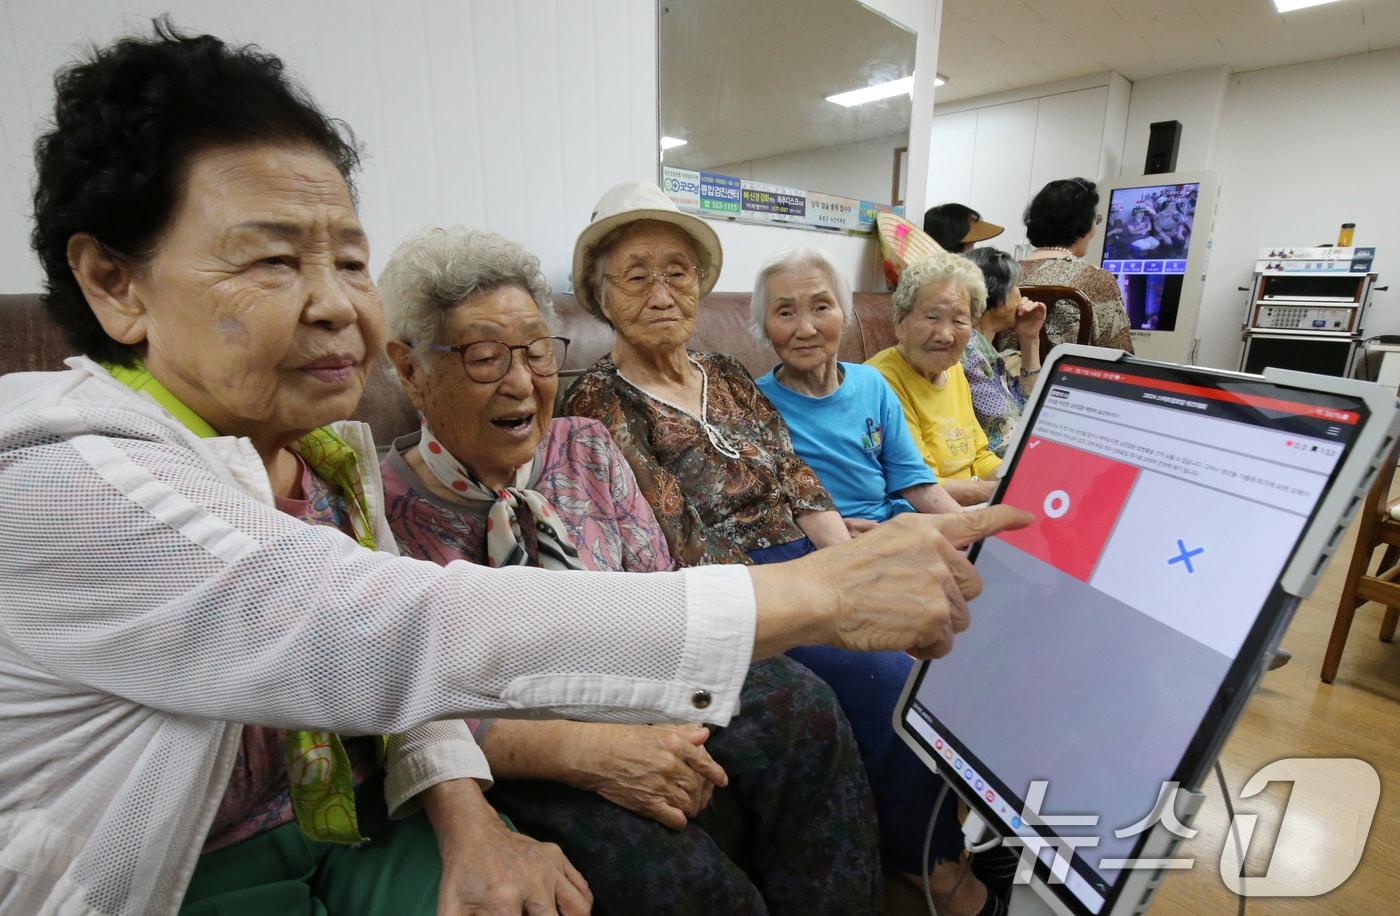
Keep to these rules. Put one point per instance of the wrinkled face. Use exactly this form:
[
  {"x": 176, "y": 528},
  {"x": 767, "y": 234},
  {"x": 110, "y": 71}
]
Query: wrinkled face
[
  {"x": 259, "y": 310},
  {"x": 661, "y": 318},
  {"x": 1002, "y": 318},
  {"x": 492, "y": 428},
  {"x": 804, "y": 320},
  {"x": 934, "y": 333}
]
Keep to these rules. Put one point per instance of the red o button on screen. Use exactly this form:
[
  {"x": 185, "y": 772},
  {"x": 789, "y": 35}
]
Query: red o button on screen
[{"x": 1076, "y": 497}]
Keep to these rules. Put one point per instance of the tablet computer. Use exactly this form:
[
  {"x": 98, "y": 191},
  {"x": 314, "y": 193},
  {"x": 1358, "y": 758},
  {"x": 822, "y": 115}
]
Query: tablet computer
[{"x": 1181, "y": 513}]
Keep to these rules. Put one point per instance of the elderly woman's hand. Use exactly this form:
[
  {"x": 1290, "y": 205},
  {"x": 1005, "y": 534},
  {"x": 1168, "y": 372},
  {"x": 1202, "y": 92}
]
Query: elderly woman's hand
[
  {"x": 1030, "y": 318},
  {"x": 489, "y": 869},
  {"x": 903, "y": 586},
  {"x": 859, "y": 525},
  {"x": 658, "y": 771}
]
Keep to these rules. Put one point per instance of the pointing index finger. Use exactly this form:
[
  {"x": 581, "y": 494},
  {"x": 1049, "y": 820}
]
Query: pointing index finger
[{"x": 964, "y": 528}]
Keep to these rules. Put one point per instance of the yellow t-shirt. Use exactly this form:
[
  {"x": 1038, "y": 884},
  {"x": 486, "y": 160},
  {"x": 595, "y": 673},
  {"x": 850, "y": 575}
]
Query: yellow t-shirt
[{"x": 940, "y": 417}]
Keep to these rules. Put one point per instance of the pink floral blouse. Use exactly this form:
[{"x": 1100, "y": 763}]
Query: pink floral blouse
[{"x": 577, "y": 468}]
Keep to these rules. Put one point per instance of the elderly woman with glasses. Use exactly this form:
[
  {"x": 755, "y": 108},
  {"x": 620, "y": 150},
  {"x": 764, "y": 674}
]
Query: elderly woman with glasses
[
  {"x": 937, "y": 303},
  {"x": 999, "y": 392},
  {"x": 493, "y": 478},
  {"x": 204, "y": 625},
  {"x": 712, "y": 455}
]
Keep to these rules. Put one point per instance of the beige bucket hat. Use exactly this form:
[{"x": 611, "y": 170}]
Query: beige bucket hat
[{"x": 629, "y": 202}]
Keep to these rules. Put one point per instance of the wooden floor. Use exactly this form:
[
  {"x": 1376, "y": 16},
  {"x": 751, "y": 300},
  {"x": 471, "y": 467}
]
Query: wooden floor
[{"x": 1294, "y": 714}]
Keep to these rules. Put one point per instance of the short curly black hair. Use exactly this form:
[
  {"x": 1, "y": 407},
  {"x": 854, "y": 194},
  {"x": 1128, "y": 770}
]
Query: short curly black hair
[
  {"x": 1062, "y": 212},
  {"x": 128, "y": 121}
]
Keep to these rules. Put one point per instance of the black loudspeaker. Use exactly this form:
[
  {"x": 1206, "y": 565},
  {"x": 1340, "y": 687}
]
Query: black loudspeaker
[{"x": 1163, "y": 141}]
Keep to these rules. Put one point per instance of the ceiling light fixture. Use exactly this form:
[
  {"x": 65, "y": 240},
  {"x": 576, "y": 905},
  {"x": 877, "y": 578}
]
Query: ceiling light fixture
[
  {"x": 1288, "y": 6},
  {"x": 873, "y": 93},
  {"x": 880, "y": 91},
  {"x": 672, "y": 142}
]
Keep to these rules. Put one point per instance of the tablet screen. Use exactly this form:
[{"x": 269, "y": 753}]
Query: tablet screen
[{"x": 1167, "y": 502}]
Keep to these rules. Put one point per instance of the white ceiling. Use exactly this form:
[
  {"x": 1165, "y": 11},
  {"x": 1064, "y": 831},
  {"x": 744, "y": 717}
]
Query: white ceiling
[
  {"x": 745, "y": 79},
  {"x": 995, "y": 45}
]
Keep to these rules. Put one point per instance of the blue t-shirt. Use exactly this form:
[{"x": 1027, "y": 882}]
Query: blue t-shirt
[{"x": 856, "y": 440}]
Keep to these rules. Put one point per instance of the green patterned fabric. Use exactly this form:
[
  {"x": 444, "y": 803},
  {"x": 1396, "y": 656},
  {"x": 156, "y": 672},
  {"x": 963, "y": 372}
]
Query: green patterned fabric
[{"x": 318, "y": 770}]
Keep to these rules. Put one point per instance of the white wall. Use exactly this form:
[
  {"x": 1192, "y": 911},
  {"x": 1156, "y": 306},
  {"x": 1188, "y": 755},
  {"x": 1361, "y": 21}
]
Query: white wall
[
  {"x": 1301, "y": 150},
  {"x": 862, "y": 169},
  {"x": 1298, "y": 149},
  {"x": 748, "y": 245},
  {"x": 994, "y": 153},
  {"x": 508, "y": 116},
  {"x": 1196, "y": 98}
]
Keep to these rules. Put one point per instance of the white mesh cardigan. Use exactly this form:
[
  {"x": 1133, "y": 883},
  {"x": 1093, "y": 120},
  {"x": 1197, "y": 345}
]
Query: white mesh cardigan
[{"x": 151, "y": 596}]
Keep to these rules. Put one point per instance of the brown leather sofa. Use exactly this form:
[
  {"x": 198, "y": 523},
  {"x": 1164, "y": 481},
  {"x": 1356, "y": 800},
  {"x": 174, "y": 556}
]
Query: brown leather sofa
[{"x": 30, "y": 342}]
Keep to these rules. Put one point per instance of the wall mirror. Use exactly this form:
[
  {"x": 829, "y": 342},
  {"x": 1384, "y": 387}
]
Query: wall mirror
[{"x": 744, "y": 87}]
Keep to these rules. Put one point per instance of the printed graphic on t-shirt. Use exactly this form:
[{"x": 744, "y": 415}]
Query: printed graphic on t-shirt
[
  {"x": 957, "y": 438},
  {"x": 873, "y": 436}
]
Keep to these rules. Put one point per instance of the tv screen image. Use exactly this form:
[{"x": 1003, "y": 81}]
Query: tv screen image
[{"x": 1146, "y": 242}]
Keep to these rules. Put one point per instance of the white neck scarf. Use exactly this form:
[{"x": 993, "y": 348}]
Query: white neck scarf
[{"x": 522, "y": 529}]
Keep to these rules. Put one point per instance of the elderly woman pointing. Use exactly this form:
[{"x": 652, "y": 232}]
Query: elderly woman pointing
[{"x": 203, "y": 608}]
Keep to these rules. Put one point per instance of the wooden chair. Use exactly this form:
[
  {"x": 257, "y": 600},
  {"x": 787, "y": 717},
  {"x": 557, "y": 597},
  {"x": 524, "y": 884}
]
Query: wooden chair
[
  {"x": 1377, "y": 528},
  {"x": 1051, "y": 295}
]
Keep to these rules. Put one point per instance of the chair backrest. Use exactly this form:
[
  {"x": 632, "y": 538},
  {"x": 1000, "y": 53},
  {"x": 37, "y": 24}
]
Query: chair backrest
[{"x": 1051, "y": 295}]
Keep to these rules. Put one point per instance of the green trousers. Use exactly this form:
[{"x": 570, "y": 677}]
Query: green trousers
[{"x": 282, "y": 873}]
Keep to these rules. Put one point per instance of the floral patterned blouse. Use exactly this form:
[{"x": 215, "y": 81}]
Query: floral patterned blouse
[
  {"x": 712, "y": 507},
  {"x": 998, "y": 394},
  {"x": 1062, "y": 321},
  {"x": 577, "y": 469}
]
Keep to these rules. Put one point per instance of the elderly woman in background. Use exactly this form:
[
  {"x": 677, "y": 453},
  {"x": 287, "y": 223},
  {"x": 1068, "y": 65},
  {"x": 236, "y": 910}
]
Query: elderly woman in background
[
  {"x": 494, "y": 479},
  {"x": 1060, "y": 221},
  {"x": 999, "y": 393},
  {"x": 846, "y": 423},
  {"x": 936, "y": 307},
  {"x": 188, "y": 545}
]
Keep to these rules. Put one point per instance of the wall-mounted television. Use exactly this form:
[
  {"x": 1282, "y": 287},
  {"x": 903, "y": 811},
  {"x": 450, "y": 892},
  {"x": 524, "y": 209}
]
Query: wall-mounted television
[{"x": 1155, "y": 238}]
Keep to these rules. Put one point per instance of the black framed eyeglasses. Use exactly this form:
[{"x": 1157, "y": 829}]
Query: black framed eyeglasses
[{"x": 487, "y": 361}]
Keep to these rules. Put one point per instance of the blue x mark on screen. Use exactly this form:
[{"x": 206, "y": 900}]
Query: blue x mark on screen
[{"x": 1185, "y": 556}]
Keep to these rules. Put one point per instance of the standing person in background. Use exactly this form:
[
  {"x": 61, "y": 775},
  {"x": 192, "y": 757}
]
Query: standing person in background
[
  {"x": 1060, "y": 221},
  {"x": 956, "y": 227}
]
